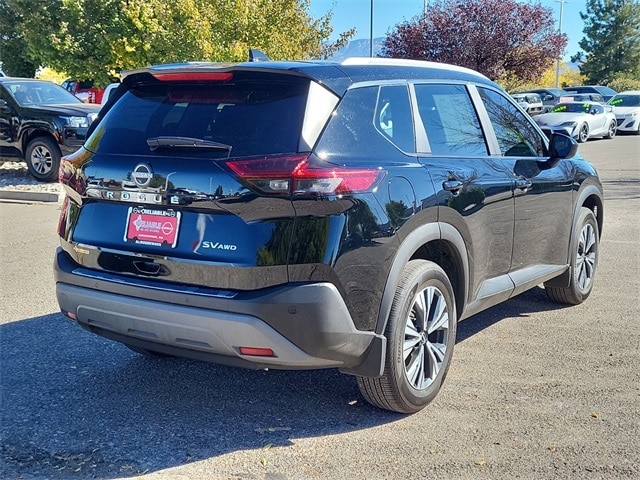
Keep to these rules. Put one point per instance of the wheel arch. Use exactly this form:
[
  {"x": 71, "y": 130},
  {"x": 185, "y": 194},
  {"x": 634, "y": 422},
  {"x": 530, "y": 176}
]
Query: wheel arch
[
  {"x": 588, "y": 197},
  {"x": 591, "y": 197},
  {"x": 33, "y": 134},
  {"x": 440, "y": 243}
]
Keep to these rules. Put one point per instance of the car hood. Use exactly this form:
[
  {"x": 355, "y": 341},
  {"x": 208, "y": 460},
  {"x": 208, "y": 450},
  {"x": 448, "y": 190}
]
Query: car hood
[
  {"x": 625, "y": 110},
  {"x": 72, "y": 109},
  {"x": 558, "y": 118}
]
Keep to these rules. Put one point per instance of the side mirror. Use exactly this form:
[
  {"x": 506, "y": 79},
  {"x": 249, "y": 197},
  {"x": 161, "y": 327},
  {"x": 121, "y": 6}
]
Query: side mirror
[
  {"x": 561, "y": 146},
  {"x": 4, "y": 105}
]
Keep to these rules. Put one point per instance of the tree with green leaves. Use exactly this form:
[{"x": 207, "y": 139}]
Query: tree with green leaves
[
  {"x": 611, "y": 46},
  {"x": 14, "y": 57},
  {"x": 96, "y": 39}
]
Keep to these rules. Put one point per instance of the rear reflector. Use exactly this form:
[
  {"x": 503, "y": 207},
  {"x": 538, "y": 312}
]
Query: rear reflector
[
  {"x": 193, "y": 76},
  {"x": 257, "y": 352},
  {"x": 304, "y": 175}
]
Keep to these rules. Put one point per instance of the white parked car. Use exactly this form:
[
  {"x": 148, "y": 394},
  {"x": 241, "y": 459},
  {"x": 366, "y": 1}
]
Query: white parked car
[
  {"x": 581, "y": 120},
  {"x": 109, "y": 89},
  {"x": 626, "y": 107},
  {"x": 530, "y": 102}
]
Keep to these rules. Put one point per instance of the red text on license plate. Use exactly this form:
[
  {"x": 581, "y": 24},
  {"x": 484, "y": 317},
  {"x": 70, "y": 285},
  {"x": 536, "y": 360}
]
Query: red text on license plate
[{"x": 151, "y": 226}]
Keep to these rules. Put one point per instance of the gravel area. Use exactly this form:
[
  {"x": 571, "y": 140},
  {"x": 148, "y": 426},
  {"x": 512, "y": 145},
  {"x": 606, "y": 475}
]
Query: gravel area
[{"x": 15, "y": 176}]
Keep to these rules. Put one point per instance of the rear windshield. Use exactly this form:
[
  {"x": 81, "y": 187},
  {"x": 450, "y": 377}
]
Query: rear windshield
[{"x": 245, "y": 119}]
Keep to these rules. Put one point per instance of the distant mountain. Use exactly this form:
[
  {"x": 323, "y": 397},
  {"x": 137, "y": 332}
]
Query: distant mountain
[{"x": 358, "y": 48}]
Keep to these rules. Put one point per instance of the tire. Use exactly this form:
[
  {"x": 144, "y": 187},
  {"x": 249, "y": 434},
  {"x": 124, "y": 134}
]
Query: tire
[
  {"x": 416, "y": 363},
  {"x": 583, "y": 133},
  {"x": 611, "y": 132},
  {"x": 148, "y": 353},
  {"x": 584, "y": 262},
  {"x": 43, "y": 159}
]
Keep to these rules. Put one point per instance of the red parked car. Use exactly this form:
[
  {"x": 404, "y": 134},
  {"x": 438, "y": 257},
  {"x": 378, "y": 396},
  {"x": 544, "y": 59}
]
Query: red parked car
[{"x": 84, "y": 90}]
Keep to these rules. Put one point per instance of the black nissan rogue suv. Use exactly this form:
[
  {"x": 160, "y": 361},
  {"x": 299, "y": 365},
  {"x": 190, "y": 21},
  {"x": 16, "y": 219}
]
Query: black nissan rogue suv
[{"x": 301, "y": 215}]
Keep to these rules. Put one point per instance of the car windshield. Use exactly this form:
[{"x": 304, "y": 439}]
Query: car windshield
[
  {"x": 625, "y": 101},
  {"x": 571, "y": 108},
  {"x": 39, "y": 93}
]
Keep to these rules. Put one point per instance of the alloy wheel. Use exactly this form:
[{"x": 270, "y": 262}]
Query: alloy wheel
[
  {"x": 41, "y": 159},
  {"x": 586, "y": 257},
  {"x": 584, "y": 133},
  {"x": 425, "y": 338}
]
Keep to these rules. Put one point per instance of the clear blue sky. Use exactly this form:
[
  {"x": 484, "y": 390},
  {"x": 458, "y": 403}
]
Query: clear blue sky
[{"x": 388, "y": 13}]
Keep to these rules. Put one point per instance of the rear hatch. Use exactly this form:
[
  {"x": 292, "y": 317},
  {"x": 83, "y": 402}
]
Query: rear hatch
[{"x": 188, "y": 177}]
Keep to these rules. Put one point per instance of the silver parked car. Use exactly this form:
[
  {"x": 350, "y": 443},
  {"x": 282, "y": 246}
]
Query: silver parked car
[
  {"x": 550, "y": 97},
  {"x": 530, "y": 102},
  {"x": 581, "y": 120}
]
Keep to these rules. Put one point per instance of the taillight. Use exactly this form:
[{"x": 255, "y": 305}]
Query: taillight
[{"x": 301, "y": 175}]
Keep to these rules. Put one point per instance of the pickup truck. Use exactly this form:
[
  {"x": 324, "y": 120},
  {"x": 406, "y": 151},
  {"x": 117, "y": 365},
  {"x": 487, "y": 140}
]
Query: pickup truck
[{"x": 84, "y": 90}]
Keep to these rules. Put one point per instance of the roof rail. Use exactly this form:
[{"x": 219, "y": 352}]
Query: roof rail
[{"x": 403, "y": 62}]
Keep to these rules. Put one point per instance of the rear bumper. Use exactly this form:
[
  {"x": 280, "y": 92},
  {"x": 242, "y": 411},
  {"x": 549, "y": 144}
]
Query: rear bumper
[{"x": 306, "y": 325}]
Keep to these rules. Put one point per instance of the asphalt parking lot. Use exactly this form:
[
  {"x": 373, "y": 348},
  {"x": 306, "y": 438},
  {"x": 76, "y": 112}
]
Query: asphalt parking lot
[{"x": 535, "y": 390}]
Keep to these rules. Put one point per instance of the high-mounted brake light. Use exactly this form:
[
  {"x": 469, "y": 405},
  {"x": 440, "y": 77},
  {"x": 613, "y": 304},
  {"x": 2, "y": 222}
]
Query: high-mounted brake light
[
  {"x": 193, "y": 76},
  {"x": 298, "y": 175}
]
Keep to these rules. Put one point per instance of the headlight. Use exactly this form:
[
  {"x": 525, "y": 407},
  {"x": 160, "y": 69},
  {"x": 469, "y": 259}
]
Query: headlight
[
  {"x": 568, "y": 124},
  {"x": 77, "y": 122},
  {"x": 92, "y": 117}
]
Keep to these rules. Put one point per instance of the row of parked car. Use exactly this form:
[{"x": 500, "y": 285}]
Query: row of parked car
[
  {"x": 583, "y": 112},
  {"x": 542, "y": 100}
]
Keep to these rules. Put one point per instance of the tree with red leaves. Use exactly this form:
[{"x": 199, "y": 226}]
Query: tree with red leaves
[{"x": 499, "y": 38}]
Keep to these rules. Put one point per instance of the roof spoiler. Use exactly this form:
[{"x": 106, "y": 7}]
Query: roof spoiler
[{"x": 258, "y": 56}]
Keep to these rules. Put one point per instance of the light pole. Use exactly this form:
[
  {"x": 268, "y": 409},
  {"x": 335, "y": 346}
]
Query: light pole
[
  {"x": 371, "y": 32},
  {"x": 559, "y": 31}
]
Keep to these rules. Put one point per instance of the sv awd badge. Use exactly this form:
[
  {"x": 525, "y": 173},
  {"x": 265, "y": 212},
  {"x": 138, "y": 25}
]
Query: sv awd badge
[{"x": 219, "y": 246}]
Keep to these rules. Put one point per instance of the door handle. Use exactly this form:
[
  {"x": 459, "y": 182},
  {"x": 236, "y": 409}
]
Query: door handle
[
  {"x": 453, "y": 186},
  {"x": 150, "y": 268},
  {"x": 523, "y": 184}
]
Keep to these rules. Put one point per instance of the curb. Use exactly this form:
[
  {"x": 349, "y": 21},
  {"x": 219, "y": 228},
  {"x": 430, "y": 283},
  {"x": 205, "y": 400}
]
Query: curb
[{"x": 26, "y": 196}]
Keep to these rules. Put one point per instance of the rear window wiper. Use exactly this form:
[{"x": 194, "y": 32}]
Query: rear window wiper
[{"x": 185, "y": 142}]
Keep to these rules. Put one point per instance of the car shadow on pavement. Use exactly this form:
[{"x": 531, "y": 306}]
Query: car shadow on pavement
[
  {"x": 534, "y": 300},
  {"x": 75, "y": 405}
]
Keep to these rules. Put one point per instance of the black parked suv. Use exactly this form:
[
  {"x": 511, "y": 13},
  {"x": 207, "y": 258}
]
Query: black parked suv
[
  {"x": 302, "y": 215},
  {"x": 39, "y": 122}
]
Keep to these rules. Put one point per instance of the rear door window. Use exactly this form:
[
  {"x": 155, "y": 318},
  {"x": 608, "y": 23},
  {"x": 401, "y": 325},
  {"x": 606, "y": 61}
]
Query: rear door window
[{"x": 450, "y": 121}]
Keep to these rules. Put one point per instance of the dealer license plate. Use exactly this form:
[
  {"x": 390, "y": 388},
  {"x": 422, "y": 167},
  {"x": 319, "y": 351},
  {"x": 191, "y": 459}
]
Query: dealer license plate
[{"x": 152, "y": 226}]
